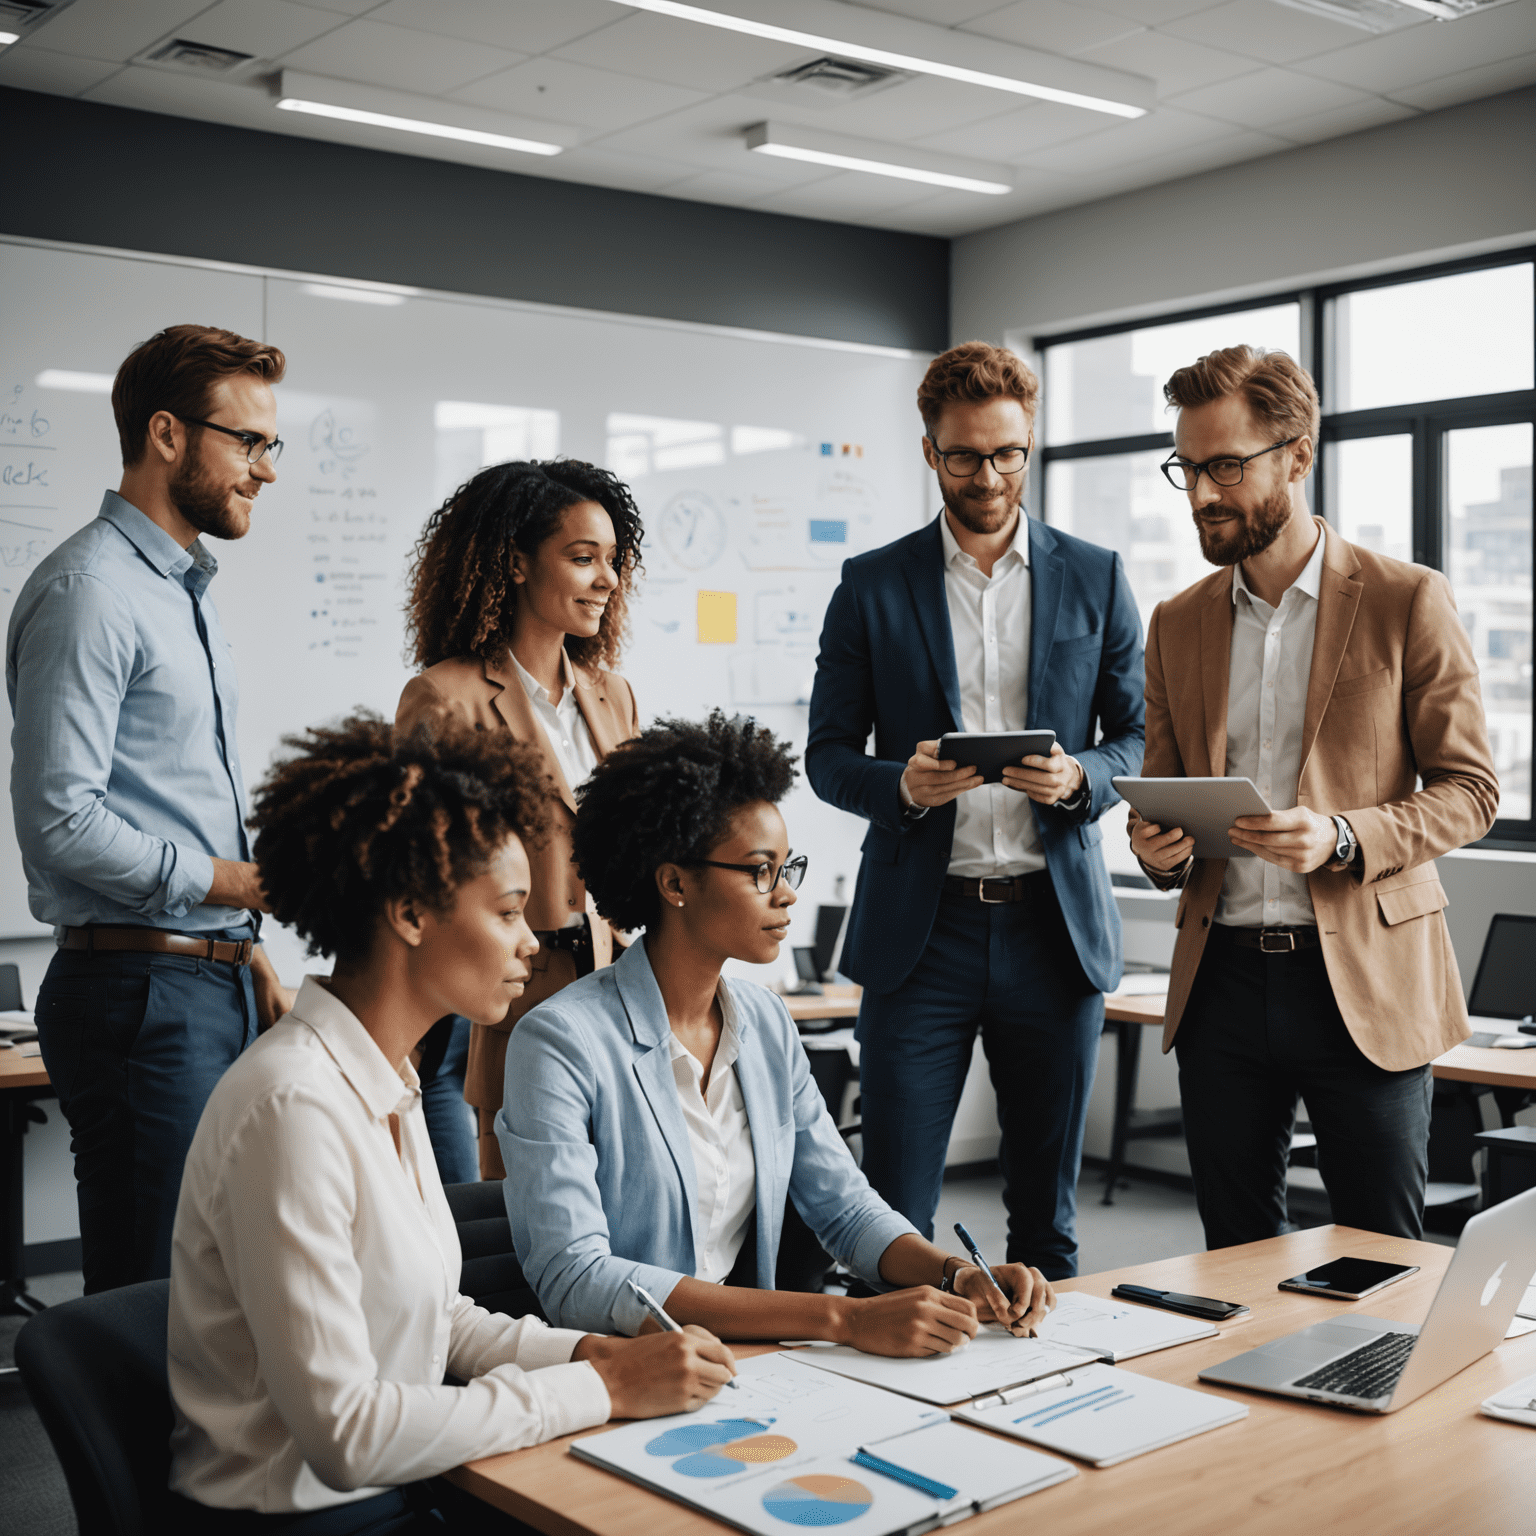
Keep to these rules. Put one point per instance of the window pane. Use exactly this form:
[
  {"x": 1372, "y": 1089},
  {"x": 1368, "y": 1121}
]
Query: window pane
[
  {"x": 1488, "y": 552},
  {"x": 1122, "y": 502},
  {"x": 1112, "y": 386},
  {"x": 1370, "y": 493},
  {"x": 1436, "y": 340}
]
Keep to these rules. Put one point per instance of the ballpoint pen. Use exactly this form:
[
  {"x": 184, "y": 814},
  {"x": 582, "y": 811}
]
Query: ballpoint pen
[
  {"x": 665, "y": 1323},
  {"x": 981, "y": 1264},
  {"x": 1013, "y": 1394}
]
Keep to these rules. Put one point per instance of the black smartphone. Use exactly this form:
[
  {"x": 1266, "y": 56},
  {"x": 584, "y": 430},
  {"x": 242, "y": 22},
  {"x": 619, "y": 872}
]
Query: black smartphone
[
  {"x": 991, "y": 751},
  {"x": 1348, "y": 1279},
  {"x": 1177, "y": 1301}
]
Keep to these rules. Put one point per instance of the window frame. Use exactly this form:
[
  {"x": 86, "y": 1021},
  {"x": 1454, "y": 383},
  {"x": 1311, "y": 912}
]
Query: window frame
[{"x": 1426, "y": 422}]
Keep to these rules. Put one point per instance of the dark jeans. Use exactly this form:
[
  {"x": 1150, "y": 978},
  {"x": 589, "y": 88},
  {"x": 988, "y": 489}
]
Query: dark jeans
[
  {"x": 134, "y": 1044},
  {"x": 432, "y": 1508},
  {"x": 450, "y": 1122},
  {"x": 1012, "y": 972},
  {"x": 1258, "y": 1032}
]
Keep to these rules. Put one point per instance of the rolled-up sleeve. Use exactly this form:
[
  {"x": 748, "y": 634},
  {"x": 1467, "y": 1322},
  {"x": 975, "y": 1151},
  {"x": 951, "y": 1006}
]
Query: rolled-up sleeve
[{"x": 73, "y": 660}]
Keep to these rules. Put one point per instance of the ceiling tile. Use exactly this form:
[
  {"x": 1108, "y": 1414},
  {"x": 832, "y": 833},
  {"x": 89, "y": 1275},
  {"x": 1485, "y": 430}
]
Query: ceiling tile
[
  {"x": 264, "y": 28},
  {"x": 939, "y": 13},
  {"x": 573, "y": 93},
  {"x": 1263, "y": 29},
  {"x": 1372, "y": 112},
  {"x": 27, "y": 67},
  {"x": 1175, "y": 63},
  {"x": 845, "y": 195},
  {"x": 681, "y": 53},
  {"x": 370, "y": 52},
  {"x": 108, "y": 29},
  {"x": 1157, "y": 134},
  {"x": 603, "y": 167},
  {"x": 529, "y": 26},
  {"x": 1012, "y": 136},
  {"x": 1052, "y": 25},
  {"x": 1226, "y": 148},
  {"x": 1469, "y": 84},
  {"x": 1269, "y": 96},
  {"x": 1153, "y": 13},
  {"x": 900, "y": 112},
  {"x": 1432, "y": 51},
  {"x": 342, "y": 7},
  {"x": 732, "y": 188}
]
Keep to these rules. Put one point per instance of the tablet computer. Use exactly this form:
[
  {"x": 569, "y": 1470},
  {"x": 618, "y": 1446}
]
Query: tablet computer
[
  {"x": 1204, "y": 808},
  {"x": 992, "y": 751}
]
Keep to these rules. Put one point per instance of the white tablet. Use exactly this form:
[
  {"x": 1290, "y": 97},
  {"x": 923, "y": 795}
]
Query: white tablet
[{"x": 1204, "y": 808}]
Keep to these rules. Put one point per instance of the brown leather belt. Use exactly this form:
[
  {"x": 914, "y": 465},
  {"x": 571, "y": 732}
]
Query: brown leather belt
[
  {"x": 1272, "y": 941},
  {"x": 995, "y": 891},
  {"x": 157, "y": 941}
]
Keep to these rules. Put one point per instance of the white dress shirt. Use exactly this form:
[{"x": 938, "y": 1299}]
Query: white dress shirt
[
  {"x": 315, "y": 1302},
  {"x": 724, "y": 1168},
  {"x": 995, "y": 832},
  {"x": 1268, "y": 671}
]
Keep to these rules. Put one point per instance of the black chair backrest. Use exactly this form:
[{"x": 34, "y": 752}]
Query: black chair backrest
[
  {"x": 95, "y": 1369},
  {"x": 10, "y": 987},
  {"x": 491, "y": 1276}
]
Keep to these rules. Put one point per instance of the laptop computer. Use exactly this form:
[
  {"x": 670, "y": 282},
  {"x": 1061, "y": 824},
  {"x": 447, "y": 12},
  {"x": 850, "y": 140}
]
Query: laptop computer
[
  {"x": 1504, "y": 991},
  {"x": 1378, "y": 1366}
]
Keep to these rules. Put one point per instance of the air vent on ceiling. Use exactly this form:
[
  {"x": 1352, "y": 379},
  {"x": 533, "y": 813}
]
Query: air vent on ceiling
[
  {"x": 841, "y": 78},
  {"x": 1387, "y": 15},
  {"x": 23, "y": 14},
  {"x": 183, "y": 54}
]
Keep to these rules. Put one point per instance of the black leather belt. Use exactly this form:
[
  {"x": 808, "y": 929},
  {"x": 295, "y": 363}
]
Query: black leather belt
[
  {"x": 996, "y": 891},
  {"x": 1271, "y": 941},
  {"x": 157, "y": 941},
  {"x": 576, "y": 940}
]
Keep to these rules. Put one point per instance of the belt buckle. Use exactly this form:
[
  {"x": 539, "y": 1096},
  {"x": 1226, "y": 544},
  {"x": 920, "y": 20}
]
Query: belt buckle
[
  {"x": 981, "y": 890},
  {"x": 1266, "y": 934}
]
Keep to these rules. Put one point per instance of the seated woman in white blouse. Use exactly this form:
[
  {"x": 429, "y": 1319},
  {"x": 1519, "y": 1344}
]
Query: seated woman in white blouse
[
  {"x": 315, "y": 1306},
  {"x": 658, "y": 1115}
]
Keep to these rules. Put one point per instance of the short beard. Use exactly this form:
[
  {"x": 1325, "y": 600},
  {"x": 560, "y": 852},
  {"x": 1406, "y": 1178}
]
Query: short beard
[
  {"x": 1257, "y": 530},
  {"x": 972, "y": 518},
  {"x": 204, "y": 503}
]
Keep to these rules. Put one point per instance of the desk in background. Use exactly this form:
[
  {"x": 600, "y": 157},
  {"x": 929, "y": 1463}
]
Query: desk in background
[
  {"x": 22, "y": 1079},
  {"x": 1436, "y": 1465}
]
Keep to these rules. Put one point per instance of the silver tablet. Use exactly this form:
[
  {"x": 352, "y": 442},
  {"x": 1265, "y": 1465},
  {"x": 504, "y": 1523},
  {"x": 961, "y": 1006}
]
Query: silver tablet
[{"x": 1204, "y": 808}]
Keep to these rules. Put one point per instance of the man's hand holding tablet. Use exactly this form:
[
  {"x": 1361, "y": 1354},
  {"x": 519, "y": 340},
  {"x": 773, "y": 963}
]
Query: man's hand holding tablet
[{"x": 1157, "y": 849}]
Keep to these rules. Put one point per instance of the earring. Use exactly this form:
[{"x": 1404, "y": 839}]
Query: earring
[{"x": 679, "y": 906}]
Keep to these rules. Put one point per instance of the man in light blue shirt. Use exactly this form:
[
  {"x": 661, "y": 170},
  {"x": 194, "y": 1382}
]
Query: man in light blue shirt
[{"x": 127, "y": 793}]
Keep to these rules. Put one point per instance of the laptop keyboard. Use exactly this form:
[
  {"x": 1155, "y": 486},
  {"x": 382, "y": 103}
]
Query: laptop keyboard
[{"x": 1369, "y": 1372}]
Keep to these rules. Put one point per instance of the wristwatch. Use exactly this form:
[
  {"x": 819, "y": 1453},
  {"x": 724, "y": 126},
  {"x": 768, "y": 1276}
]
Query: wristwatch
[
  {"x": 913, "y": 814},
  {"x": 947, "y": 1284},
  {"x": 1345, "y": 849}
]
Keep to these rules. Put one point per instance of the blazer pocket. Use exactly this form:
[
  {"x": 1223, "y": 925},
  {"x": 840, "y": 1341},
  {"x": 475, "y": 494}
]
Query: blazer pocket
[
  {"x": 1345, "y": 687},
  {"x": 1409, "y": 901}
]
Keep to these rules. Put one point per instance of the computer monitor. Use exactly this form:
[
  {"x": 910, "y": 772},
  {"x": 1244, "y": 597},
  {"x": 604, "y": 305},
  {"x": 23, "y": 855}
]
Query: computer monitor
[
  {"x": 1505, "y": 987},
  {"x": 829, "y": 929}
]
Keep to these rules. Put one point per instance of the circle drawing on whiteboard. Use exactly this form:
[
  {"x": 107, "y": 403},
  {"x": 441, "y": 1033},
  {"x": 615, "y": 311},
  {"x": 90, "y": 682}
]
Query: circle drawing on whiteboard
[
  {"x": 693, "y": 530},
  {"x": 816, "y": 1499}
]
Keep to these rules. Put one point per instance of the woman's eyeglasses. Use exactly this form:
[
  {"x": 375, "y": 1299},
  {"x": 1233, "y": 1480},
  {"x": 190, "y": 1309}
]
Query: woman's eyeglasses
[{"x": 791, "y": 872}]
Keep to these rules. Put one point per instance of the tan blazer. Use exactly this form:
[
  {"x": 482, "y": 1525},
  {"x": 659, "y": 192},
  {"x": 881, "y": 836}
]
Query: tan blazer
[
  {"x": 490, "y": 696},
  {"x": 1393, "y": 697}
]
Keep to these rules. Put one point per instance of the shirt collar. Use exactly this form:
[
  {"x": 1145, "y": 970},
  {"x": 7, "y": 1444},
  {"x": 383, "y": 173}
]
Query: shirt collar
[
  {"x": 151, "y": 540},
  {"x": 729, "y": 1046},
  {"x": 535, "y": 689},
  {"x": 953, "y": 554},
  {"x": 383, "y": 1090},
  {"x": 1309, "y": 582}
]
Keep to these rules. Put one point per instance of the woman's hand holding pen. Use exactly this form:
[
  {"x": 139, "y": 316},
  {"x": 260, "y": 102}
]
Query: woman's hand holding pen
[
  {"x": 1020, "y": 1299},
  {"x": 659, "y": 1373}
]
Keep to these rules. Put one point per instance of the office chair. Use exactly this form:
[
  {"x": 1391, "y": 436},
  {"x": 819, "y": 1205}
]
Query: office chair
[
  {"x": 491, "y": 1276},
  {"x": 10, "y": 988},
  {"x": 95, "y": 1370}
]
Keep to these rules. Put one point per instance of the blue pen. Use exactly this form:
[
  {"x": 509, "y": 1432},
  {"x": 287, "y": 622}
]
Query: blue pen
[
  {"x": 981, "y": 1264},
  {"x": 665, "y": 1323}
]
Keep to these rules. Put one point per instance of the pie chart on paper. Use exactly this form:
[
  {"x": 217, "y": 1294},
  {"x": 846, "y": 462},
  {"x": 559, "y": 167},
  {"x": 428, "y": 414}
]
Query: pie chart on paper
[
  {"x": 726, "y": 1460},
  {"x": 817, "y": 1499}
]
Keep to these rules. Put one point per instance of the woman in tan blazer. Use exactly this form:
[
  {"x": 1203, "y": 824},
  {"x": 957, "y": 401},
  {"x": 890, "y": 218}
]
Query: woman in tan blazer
[{"x": 519, "y": 591}]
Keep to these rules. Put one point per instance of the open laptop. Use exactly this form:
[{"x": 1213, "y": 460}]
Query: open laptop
[
  {"x": 1378, "y": 1366},
  {"x": 1504, "y": 993}
]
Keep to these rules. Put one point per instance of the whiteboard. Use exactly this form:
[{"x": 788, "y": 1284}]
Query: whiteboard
[{"x": 759, "y": 463}]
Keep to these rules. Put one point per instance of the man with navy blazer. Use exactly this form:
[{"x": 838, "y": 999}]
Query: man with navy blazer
[{"x": 980, "y": 906}]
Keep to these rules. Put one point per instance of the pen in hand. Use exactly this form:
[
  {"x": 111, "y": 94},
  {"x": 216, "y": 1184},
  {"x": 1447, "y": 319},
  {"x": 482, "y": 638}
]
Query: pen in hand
[
  {"x": 659, "y": 1316},
  {"x": 986, "y": 1269}
]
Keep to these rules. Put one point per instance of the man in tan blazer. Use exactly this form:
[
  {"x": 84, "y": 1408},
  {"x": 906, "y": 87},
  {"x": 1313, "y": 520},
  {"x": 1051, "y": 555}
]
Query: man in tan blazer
[{"x": 1343, "y": 684}]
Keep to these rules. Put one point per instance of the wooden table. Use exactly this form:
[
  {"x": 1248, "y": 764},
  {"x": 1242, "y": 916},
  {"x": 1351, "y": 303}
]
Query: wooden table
[
  {"x": 1434, "y": 1466},
  {"x": 22, "y": 1079},
  {"x": 838, "y": 1000}
]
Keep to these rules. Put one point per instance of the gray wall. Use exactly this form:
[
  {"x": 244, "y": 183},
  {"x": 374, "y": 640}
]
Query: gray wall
[{"x": 101, "y": 175}]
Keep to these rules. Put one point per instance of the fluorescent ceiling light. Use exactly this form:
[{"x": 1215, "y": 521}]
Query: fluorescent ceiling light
[
  {"x": 884, "y": 56},
  {"x": 81, "y": 383},
  {"x": 789, "y": 142},
  {"x": 354, "y": 295},
  {"x": 415, "y": 125},
  {"x": 881, "y": 168}
]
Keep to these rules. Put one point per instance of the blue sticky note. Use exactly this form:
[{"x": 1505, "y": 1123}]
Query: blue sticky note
[{"x": 829, "y": 530}]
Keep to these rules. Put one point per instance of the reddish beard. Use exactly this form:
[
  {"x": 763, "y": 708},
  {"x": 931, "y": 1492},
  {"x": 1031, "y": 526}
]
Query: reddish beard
[
  {"x": 971, "y": 511},
  {"x": 1252, "y": 534},
  {"x": 203, "y": 499}
]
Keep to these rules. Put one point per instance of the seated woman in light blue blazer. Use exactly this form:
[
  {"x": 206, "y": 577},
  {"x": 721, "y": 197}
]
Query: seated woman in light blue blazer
[{"x": 657, "y": 1115}]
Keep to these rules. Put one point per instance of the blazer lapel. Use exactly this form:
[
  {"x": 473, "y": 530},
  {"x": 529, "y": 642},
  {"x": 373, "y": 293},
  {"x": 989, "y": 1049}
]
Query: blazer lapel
[
  {"x": 1045, "y": 578},
  {"x": 762, "y": 1106},
  {"x": 516, "y": 710},
  {"x": 1215, "y": 672},
  {"x": 603, "y": 721},
  {"x": 1338, "y": 601},
  {"x": 925, "y": 577}
]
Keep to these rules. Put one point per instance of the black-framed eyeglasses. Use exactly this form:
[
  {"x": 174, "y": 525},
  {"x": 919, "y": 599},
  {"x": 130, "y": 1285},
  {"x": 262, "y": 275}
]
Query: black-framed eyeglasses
[
  {"x": 1184, "y": 476},
  {"x": 962, "y": 463},
  {"x": 791, "y": 872},
  {"x": 256, "y": 446}
]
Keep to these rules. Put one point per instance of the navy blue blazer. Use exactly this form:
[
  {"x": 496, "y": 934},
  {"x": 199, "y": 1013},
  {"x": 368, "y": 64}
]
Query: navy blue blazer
[{"x": 1085, "y": 683}]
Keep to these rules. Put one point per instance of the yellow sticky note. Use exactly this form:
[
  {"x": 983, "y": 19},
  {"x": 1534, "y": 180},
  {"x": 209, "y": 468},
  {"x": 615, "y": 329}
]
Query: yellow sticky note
[{"x": 717, "y": 618}]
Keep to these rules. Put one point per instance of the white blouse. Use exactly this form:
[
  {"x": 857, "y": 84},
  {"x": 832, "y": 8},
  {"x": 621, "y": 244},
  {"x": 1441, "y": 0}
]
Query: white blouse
[{"x": 315, "y": 1302}]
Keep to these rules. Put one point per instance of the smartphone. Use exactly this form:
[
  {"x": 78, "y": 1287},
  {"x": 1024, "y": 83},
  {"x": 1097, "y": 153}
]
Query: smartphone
[
  {"x": 1177, "y": 1301},
  {"x": 1348, "y": 1279},
  {"x": 992, "y": 751}
]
